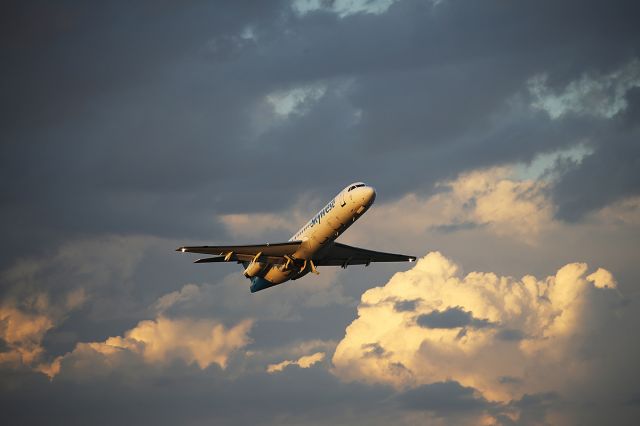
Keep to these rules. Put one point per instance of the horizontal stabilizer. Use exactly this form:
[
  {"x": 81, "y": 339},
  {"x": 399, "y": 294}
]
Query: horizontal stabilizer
[{"x": 273, "y": 254}]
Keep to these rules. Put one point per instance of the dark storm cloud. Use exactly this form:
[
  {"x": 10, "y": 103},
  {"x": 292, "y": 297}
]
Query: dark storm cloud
[
  {"x": 510, "y": 334},
  {"x": 533, "y": 407},
  {"x": 444, "y": 398},
  {"x": 186, "y": 395},
  {"x": 450, "y": 399},
  {"x": 151, "y": 119},
  {"x": 611, "y": 172},
  {"x": 136, "y": 119},
  {"x": 405, "y": 305},
  {"x": 451, "y": 318}
]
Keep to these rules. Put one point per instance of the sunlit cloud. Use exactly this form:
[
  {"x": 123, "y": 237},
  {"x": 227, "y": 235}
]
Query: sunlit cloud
[
  {"x": 625, "y": 212},
  {"x": 24, "y": 324},
  {"x": 302, "y": 362},
  {"x": 503, "y": 336},
  {"x": 23, "y": 333},
  {"x": 43, "y": 291},
  {"x": 202, "y": 342},
  {"x": 493, "y": 199},
  {"x": 254, "y": 224}
]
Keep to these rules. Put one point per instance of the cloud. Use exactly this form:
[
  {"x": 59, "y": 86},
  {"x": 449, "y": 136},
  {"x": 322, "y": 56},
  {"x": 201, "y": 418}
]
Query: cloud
[
  {"x": 91, "y": 277},
  {"x": 24, "y": 324},
  {"x": 451, "y": 318},
  {"x": 78, "y": 267},
  {"x": 343, "y": 8},
  {"x": 160, "y": 341},
  {"x": 294, "y": 100},
  {"x": 162, "y": 142},
  {"x": 479, "y": 328},
  {"x": 490, "y": 198},
  {"x": 603, "y": 95},
  {"x": 602, "y": 279},
  {"x": 302, "y": 362},
  {"x": 245, "y": 225},
  {"x": 185, "y": 294},
  {"x": 230, "y": 297},
  {"x": 444, "y": 398},
  {"x": 22, "y": 333},
  {"x": 625, "y": 212}
]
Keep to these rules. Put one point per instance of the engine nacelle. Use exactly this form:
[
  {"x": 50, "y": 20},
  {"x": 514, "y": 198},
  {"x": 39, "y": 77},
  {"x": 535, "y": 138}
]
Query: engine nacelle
[
  {"x": 254, "y": 269},
  {"x": 258, "y": 284}
]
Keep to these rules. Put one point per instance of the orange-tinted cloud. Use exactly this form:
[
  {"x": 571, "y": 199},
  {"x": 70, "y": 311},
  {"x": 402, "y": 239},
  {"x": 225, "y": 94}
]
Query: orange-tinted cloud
[
  {"x": 502, "y": 336},
  {"x": 302, "y": 362},
  {"x": 493, "y": 199},
  {"x": 195, "y": 341},
  {"x": 23, "y": 333},
  {"x": 24, "y": 325}
]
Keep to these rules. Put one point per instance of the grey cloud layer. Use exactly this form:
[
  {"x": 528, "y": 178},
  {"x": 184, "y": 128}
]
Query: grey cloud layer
[
  {"x": 128, "y": 128},
  {"x": 141, "y": 120}
]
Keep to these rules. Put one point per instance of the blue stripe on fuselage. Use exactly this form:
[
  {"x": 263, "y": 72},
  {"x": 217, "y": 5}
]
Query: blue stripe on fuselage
[{"x": 259, "y": 283}]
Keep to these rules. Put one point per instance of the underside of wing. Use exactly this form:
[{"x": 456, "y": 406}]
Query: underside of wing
[
  {"x": 273, "y": 253},
  {"x": 344, "y": 255}
]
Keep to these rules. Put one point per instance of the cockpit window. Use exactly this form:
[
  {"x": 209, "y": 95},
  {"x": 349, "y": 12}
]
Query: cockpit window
[{"x": 355, "y": 186}]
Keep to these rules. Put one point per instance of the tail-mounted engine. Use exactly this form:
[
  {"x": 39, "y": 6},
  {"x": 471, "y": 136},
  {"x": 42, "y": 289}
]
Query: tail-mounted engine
[{"x": 255, "y": 267}]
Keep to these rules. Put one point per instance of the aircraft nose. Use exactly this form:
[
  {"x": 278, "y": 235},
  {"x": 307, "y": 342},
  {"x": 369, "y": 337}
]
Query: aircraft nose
[{"x": 368, "y": 195}]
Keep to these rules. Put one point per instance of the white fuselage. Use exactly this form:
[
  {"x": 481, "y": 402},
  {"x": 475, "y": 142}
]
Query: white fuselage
[{"x": 320, "y": 232}]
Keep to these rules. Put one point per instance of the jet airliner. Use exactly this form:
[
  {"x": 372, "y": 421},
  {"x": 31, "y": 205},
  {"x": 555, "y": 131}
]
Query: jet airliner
[{"x": 270, "y": 264}]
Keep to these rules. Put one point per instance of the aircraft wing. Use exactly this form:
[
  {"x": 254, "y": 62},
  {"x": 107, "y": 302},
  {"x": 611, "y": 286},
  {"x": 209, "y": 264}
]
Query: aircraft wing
[
  {"x": 344, "y": 255},
  {"x": 273, "y": 253}
]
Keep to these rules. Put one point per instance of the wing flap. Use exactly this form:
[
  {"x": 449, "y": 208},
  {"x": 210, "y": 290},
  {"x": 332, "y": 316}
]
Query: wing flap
[
  {"x": 344, "y": 255},
  {"x": 272, "y": 260}
]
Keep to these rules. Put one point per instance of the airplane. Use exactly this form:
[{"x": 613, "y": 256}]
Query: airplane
[{"x": 270, "y": 264}]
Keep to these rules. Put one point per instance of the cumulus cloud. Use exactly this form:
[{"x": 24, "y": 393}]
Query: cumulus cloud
[
  {"x": 491, "y": 198},
  {"x": 22, "y": 332},
  {"x": 302, "y": 362},
  {"x": 42, "y": 292},
  {"x": 502, "y": 336},
  {"x": 194, "y": 341},
  {"x": 24, "y": 324}
]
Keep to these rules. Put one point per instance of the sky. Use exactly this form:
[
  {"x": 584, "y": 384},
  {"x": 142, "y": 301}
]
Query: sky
[{"x": 503, "y": 139}]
